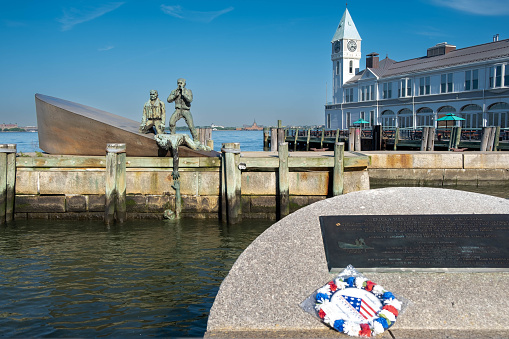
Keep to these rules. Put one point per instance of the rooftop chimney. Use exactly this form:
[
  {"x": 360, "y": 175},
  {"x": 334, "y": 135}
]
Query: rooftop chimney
[
  {"x": 440, "y": 49},
  {"x": 372, "y": 60},
  {"x": 495, "y": 37}
]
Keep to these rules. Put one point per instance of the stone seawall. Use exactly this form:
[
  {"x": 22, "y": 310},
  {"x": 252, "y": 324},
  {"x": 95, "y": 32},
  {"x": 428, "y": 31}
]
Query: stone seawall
[
  {"x": 411, "y": 168},
  {"x": 73, "y": 187}
]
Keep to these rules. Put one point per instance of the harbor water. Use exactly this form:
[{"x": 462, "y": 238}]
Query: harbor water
[
  {"x": 249, "y": 140},
  {"x": 140, "y": 278}
]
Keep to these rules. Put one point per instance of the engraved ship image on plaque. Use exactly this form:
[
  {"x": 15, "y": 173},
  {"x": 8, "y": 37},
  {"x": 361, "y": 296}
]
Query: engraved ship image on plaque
[{"x": 359, "y": 245}]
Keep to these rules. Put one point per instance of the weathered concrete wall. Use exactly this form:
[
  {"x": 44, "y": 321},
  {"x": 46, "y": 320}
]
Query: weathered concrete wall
[{"x": 438, "y": 168}]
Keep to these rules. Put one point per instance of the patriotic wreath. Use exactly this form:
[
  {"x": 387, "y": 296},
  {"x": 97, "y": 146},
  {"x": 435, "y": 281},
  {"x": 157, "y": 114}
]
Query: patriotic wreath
[{"x": 356, "y": 306}]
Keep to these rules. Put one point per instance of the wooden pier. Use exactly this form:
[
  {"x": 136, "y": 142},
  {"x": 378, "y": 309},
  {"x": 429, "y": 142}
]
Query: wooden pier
[{"x": 364, "y": 139}]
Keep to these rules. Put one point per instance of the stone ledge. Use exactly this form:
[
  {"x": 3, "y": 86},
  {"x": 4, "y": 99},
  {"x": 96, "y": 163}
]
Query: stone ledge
[
  {"x": 255, "y": 296},
  {"x": 398, "y": 334}
]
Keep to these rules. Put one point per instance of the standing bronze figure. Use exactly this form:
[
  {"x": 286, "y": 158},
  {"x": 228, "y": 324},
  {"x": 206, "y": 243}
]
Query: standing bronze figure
[
  {"x": 154, "y": 115},
  {"x": 182, "y": 97}
]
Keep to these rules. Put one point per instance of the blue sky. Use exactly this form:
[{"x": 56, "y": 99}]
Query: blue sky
[{"x": 243, "y": 59}]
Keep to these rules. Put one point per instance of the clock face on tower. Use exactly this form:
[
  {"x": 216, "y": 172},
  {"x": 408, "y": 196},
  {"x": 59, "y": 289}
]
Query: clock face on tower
[
  {"x": 337, "y": 46},
  {"x": 352, "y": 45}
]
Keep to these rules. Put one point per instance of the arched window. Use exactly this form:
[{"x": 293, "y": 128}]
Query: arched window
[
  {"x": 499, "y": 105},
  {"x": 405, "y": 118},
  {"x": 498, "y": 114},
  {"x": 472, "y": 115},
  {"x": 351, "y": 66},
  {"x": 388, "y": 118},
  {"x": 424, "y": 117},
  {"x": 446, "y": 109}
]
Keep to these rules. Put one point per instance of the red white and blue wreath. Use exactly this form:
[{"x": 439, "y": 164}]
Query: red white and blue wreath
[{"x": 356, "y": 306}]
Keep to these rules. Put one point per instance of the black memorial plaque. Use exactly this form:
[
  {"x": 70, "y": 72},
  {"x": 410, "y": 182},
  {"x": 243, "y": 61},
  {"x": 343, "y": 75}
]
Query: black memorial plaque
[{"x": 417, "y": 241}]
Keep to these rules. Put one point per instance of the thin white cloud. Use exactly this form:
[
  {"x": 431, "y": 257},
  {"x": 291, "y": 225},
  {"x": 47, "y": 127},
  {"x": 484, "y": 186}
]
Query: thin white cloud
[
  {"x": 431, "y": 32},
  {"x": 480, "y": 7},
  {"x": 107, "y": 48},
  {"x": 181, "y": 13},
  {"x": 11, "y": 23},
  {"x": 75, "y": 16}
]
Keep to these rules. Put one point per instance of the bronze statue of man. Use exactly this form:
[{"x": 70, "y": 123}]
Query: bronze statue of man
[
  {"x": 182, "y": 97},
  {"x": 154, "y": 115}
]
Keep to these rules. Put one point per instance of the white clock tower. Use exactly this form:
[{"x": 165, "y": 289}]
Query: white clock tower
[{"x": 346, "y": 55}]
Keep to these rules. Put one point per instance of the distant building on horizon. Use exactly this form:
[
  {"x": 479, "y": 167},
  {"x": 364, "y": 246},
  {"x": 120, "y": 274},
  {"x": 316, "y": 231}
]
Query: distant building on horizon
[
  {"x": 4, "y": 126},
  {"x": 253, "y": 127},
  {"x": 471, "y": 82}
]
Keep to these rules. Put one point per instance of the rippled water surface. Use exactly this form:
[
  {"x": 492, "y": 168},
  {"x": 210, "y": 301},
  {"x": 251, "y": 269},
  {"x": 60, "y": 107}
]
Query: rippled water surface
[
  {"x": 249, "y": 140},
  {"x": 143, "y": 278}
]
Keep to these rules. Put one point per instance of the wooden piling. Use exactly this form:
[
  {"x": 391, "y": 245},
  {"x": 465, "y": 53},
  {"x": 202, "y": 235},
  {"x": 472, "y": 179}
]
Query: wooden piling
[
  {"x": 222, "y": 187},
  {"x": 3, "y": 182},
  {"x": 204, "y": 135},
  {"x": 358, "y": 133},
  {"x": 424, "y": 138},
  {"x": 273, "y": 139},
  {"x": 484, "y": 138},
  {"x": 232, "y": 200},
  {"x": 323, "y": 136},
  {"x": 7, "y": 179},
  {"x": 238, "y": 179},
  {"x": 351, "y": 139},
  {"x": 396, "y": 138},
  {"x": 266, "y": 134},
  {"x": 114, "y": 202},
  {"x": 280, "y": 136},
  {"x": 111, "y": 173},
  {"x": 284, "y": 185},
  {"x": 457, "y": 137},
  {"x": 295, "y": 139},
  {"x": 337, "y": 136},
  {"x": 337, "y": 176},
  {"x": 491, "y": 139},
  {"x": 452, "y": 137},
  {"x": 377, "y": 137},
  {"x": 120, "y": 186},
  {"x": 308, "y": 139},
  {"x": 210, "y": 143},
  {"x": 430, "y": 145},
  {"x": 11, "y": 182},
  {"x": 496, "y": 142}
]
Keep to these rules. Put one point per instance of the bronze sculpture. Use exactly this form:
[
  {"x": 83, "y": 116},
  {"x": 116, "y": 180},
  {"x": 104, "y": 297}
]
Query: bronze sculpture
[
  {"x": 182, "y": 97},
  {"x": 172, "y": 142},
  {"x": 154, "y": 115}
]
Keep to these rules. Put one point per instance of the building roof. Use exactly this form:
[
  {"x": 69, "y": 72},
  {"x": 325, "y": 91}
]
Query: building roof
[
  {"x": 346, "y": 28},
  {"x": 488, "y": 51}
]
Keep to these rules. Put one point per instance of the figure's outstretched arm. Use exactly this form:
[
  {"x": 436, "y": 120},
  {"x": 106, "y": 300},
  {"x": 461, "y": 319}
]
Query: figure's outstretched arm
[
  {"x": 189, "y": 142},
  {"x": 173, "y": 95}
]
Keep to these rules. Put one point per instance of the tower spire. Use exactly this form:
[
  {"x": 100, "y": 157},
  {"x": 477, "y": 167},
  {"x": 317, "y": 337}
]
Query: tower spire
[{"x": 346, "y": 28}]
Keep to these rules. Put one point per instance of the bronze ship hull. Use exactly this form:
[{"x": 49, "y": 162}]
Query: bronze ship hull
[{"x": 69, "y": 128}]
